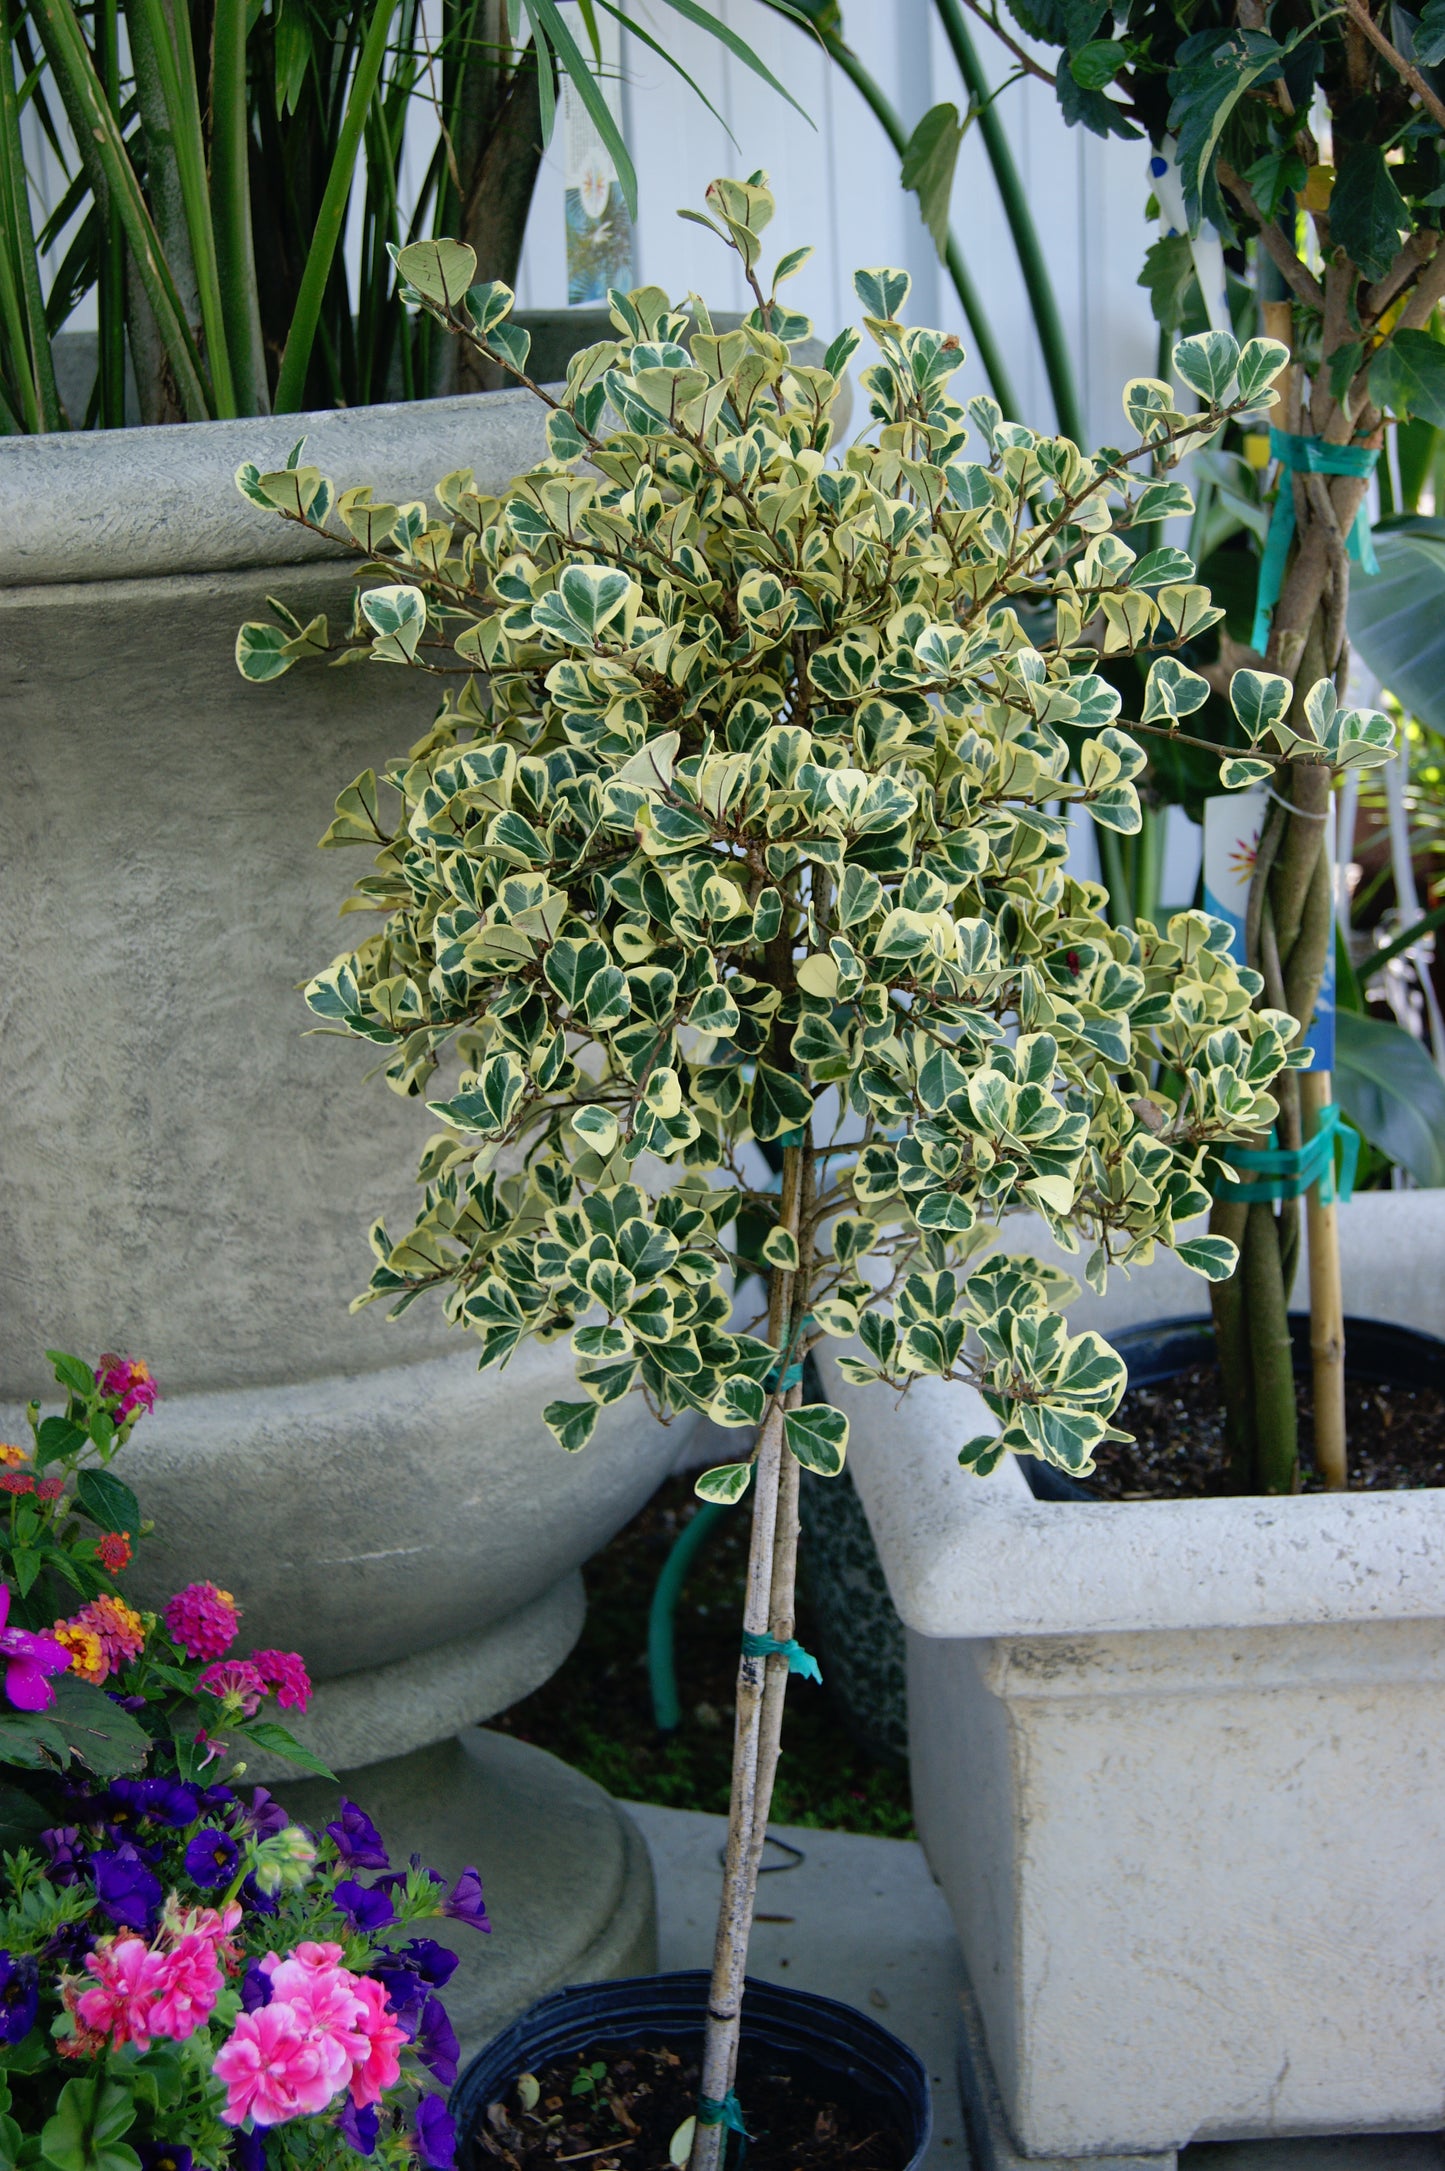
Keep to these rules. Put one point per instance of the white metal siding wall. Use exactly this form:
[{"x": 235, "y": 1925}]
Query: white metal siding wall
[{"x": 837, "y": 187}]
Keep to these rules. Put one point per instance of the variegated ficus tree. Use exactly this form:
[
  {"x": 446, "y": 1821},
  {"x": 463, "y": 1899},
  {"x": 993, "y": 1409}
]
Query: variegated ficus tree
[{"x": 742, "y": 823}]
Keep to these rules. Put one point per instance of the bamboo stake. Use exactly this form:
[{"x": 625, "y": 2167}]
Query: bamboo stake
[{"x": 1327, "y": 1314}]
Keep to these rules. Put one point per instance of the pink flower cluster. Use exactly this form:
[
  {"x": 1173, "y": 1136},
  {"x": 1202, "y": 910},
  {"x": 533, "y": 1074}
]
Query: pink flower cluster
[
  {"x": 129, "y": 1382},
  {"x": 325, "y": 2030},
  {"x": 169, "y": 1988},
  {"x": 204, "y": 1621}
]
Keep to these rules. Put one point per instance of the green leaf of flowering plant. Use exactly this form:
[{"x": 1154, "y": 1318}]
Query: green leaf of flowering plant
[
  {"x": 278, "y": 1740},
  {"x": 84, "y": 2131},
  {"x": 108, "y": 1501}
]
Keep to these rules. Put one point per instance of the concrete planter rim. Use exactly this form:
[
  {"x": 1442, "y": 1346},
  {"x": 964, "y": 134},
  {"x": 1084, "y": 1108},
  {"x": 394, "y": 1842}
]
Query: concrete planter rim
[
  {"x": 981, "y": 1557},
  {"x": 99, "y": 505}
]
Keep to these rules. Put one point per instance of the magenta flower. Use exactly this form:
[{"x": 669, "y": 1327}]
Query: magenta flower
[
  {"x": 128, "y": 1383},
  {"x": 28, "y": 1660},
  {"x": 204, "y": 1621},
  {"x": 285, "y": 1673}
]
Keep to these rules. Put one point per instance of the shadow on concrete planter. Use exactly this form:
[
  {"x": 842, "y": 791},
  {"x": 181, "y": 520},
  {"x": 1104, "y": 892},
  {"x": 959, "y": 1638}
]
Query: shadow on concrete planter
[{"x": 831, "y": 2048}]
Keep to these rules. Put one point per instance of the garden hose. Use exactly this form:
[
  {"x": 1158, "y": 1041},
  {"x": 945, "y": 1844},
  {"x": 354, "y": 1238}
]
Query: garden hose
[{"x": 661, "y": 1667}]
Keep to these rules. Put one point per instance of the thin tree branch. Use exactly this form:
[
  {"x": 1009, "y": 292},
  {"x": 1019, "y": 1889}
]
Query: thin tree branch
[
  {"x": 1406, "y": 70},
  {"x": 1418, "y": 250},
  {"x": 1296, "y": 274},
  {"x": 1025, "y": 59}
]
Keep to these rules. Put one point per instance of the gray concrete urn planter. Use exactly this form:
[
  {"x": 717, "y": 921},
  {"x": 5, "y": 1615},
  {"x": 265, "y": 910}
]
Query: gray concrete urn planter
[
  {"x": 1180, "y": 1765},
  {"x": 184, "y": 1175}
]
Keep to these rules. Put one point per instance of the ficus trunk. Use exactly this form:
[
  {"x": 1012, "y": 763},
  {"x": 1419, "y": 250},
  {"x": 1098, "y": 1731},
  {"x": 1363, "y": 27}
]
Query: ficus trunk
[
  {"x": 1288, "y": 933},
  {"x": 496, "y": 150},
  {"x": 762, "y": 1682}
]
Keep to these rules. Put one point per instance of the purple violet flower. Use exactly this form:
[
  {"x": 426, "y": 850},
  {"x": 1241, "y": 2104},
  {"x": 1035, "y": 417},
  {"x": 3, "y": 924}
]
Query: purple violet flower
[
  {"x": 358, "y": 1842},
  {"x": 404, "y": 1994},
  {"x": 259, "y": 1902},
  {"x": 436, "y": 2134},
  {"x": 464, "y": 1902},
  {"x": 359, "y": 2128},
  {"x": 363, "y": 1908},
  {"x": 256, "y": 1988},
  {"x": 211, "y": 1857},
  {"x": 126, "y": 1890},
  {"x": 19, "y": 1997},
  {"x": 436, "y": 2043}
]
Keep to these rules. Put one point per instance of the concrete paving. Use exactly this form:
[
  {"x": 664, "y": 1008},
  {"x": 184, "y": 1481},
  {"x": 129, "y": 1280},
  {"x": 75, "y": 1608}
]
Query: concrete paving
[
  {"x": 848, "y": 1916},
  {"x": 862, "y": 1920}
]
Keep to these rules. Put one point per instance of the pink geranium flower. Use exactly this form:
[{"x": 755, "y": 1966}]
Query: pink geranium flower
[
  {"x": 328, "y": 2030},
  {"x": 190, "y": 1985},
  {"x": 129, "y": 1978},
  {"x": 29, "y": 1659},
  {"x": 274, "y": 2067},
  {"x": 204, "y": 1621},
  {"x": 380, "y": 2068}
]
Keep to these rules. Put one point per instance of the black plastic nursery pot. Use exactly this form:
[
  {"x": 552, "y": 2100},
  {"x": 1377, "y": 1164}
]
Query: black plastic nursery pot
[
  {"x": 1375, "y": 1352},
  {"x": 830, "y": 2048}
]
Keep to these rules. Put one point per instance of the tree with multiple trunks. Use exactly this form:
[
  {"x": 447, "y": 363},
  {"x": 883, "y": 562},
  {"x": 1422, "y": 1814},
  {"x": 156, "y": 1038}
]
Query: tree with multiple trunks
[{"x": 1314, "y": 137}]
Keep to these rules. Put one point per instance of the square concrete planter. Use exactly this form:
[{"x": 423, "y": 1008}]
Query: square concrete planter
[{"x": 1180, "y": 1765}]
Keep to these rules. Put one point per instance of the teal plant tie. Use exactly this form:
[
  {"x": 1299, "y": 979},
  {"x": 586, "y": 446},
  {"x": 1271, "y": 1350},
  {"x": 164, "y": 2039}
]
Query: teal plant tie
[
  {"x": 1307, "y": 456},
  {"x": 1289, "y": 1173},
  {"x": 781, "y": 1377},
  {"x": 727, "y": 2111},
  {"x": 799, "y": 1662}
]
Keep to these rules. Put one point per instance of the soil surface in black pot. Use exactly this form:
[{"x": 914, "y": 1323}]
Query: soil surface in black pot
[
  {"x": 1396, "y": 1439},
  {"x": 596, "y": 1712},
  {"x": 619, "y": 2111}
]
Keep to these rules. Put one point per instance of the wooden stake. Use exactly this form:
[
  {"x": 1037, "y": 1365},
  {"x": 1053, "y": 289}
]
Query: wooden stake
[{"x": 1327, "y": 1314}]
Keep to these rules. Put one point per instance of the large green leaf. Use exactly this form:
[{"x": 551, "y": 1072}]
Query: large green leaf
[
  {"x": 82, "y": 1723},
  {"x": 1390, "y": 1089},
  {"x": 1397, "y": 616}
]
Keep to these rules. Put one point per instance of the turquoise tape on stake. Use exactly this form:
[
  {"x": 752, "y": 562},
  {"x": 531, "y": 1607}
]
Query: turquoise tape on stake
[
  {"x": 1290, "y": 1174},
  {"x": 728, "y": 2112},
  {"x": 799, "y": 1661},
  {"x": 1307, "y": 456}
]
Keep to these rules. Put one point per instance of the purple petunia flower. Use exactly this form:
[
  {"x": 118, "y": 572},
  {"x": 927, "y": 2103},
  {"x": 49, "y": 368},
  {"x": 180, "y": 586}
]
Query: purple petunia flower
[
  {"x": 248, "y": 2151},
  {"x": 436, "y": 2043},
  {"x": 19, "y": 1997},
  {"x": 265, "y": 1817},
  {"x": 357, "y": 1839},
  {"x": 259, "y": 1902},
  {"x": 165, "y": 1801},
  {"x": 28, "y": 1660},
  {"x": 126, "y": 1890},
  {"x": 359, "y": 2127},
  {"x": 67, "y": 1852},
  {"x": 435, "y": 1964},
  {"x": 256, "y": 1988},
  {"x": 436, "y": 2134},
  {"x": 363, "y": 1908},
  {"x": 404, "y": 1994},
  {"x": 211, "y": 1857},
  {"x": 164, "y": 2156},
  {"x": 464, "y": 1902}
]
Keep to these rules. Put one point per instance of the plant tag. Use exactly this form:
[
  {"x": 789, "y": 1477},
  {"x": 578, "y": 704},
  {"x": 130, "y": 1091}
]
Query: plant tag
[{"x": 1232, "y": 826}]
